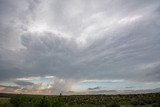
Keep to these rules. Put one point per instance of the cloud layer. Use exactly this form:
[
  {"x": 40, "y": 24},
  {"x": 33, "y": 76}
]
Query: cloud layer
[{"x": 80, "y": 40}]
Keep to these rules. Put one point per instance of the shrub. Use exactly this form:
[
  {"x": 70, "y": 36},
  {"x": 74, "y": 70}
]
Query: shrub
[
  {"x": 156, "y": 105},
  {"x": 112, "y": 104}
]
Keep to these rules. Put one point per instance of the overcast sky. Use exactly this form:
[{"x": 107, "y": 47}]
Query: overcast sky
[{"x": 71, "y": 46}]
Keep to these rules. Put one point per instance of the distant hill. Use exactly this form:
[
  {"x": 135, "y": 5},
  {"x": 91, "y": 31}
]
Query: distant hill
[{"x": 156, "y": 90}]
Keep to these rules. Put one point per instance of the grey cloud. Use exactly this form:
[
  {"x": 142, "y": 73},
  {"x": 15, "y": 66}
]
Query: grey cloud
[
  {"x": 153, "y": 72},
  {"x": 5, "y": 88},
  {"x": 55, "y": 87},
  {"x": 9, "y": 87},
  {"x": 13, "y": 21},
  {"x": 23, "y": 83},
  {"x": 111, "y": 51},
  {"x": 10, "y": 67},
  {"x": 95, "y": 88},
  {"x": 72, "y": 16},
  {"x": 48, "y": 54}
]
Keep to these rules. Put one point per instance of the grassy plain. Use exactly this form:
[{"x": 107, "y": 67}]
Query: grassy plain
[{"x": 129, "y": 100}]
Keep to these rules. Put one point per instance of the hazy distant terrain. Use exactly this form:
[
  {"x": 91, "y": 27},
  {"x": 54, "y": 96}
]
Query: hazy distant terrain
[{"x": 155, "y": 90}]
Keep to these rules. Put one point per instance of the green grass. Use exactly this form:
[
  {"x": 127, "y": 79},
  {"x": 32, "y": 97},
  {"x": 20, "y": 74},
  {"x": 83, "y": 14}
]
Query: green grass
[{"x": 5, "y": 102}]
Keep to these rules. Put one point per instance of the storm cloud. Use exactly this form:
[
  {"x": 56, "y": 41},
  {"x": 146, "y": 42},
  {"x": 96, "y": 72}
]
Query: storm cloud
[{"x": 80, "y": 40}]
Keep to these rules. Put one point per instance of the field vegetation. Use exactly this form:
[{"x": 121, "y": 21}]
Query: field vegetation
[{"x": 131, "y": 100}]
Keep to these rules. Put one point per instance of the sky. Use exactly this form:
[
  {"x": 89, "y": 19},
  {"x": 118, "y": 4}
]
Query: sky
[{"x": 79, "y": 46}]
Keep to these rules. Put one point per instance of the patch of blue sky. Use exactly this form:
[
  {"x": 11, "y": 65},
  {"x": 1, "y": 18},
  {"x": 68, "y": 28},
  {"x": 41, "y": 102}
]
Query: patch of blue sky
[
  {"x": 110, "y": 84},
  {"x": 120, "y": 85}
]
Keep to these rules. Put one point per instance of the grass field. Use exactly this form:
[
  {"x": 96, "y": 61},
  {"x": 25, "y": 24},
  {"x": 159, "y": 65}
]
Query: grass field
[
  {"x": 5, "y": 102},
  {"x": 131, "y": 100}
]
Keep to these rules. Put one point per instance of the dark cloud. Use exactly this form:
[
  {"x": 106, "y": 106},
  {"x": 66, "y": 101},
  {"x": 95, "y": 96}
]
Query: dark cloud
[
  {"x": 5, "y": 88},
  {"x": 80, "y": 39},
  {"x": 23, "y": 83},
  {"x": 95, "y": 88},
  {"x": 153, "y": 71},
  {"x": 9, "y": 87}
]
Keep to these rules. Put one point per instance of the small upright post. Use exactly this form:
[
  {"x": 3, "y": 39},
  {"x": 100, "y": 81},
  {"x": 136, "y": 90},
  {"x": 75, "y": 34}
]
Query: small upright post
[{"x": 60, "y": 94}]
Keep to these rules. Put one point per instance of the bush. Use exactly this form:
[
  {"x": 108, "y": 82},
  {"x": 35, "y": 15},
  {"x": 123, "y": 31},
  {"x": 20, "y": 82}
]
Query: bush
[
  {"x": 113, "y": 104},
  {"x": 85, "y": 100},
  {"x": 156, "y": 105},
  {"x": 134, "y": 101}
]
